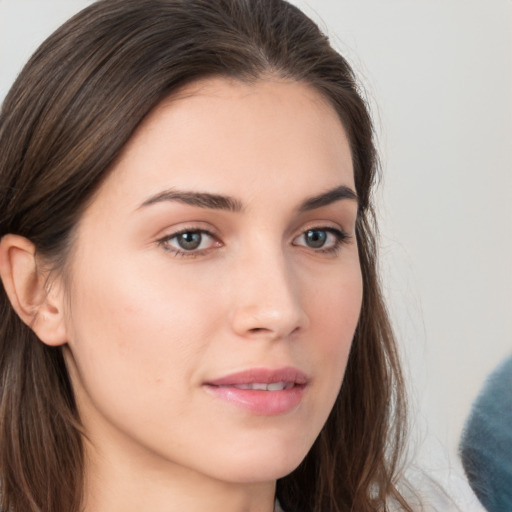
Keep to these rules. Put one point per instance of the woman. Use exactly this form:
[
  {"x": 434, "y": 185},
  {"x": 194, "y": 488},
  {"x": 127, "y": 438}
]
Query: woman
[{"x": 191, "y": 314}]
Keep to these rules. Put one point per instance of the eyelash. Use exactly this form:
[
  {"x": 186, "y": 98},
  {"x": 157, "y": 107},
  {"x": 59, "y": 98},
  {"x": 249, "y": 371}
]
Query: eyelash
[{"x": 341, "y": 238}]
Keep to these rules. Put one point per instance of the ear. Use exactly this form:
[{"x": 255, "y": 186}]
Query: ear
[{"x": 27, "y": 288}]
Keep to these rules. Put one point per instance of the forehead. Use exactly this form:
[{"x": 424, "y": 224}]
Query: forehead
[{"x": 227, "y": 136}]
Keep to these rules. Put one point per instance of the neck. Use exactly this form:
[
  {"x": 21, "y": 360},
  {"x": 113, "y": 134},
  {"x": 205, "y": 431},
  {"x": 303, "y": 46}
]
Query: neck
[{"x": 117, "y": 483}]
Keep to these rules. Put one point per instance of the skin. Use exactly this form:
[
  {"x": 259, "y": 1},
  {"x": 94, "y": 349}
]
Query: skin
[{"x": 144, "y": 327}]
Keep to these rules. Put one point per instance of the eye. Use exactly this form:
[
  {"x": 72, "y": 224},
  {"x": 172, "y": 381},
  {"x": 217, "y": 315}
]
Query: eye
[
  {"x": 322, "y": 239},
  {"x": 188, "y": 242}
]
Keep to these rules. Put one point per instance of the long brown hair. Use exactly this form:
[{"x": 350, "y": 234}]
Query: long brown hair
[{"x": 70, "y": 112}]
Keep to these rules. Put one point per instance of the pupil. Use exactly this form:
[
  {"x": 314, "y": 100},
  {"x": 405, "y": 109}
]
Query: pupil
[
  {"x": 315, "y": 238},
  {"x": 189, "y": 241}
]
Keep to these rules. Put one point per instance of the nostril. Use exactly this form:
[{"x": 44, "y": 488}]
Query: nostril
[
  {"x": 256, "y": 330},
  {"x": 263, "y": 330}
]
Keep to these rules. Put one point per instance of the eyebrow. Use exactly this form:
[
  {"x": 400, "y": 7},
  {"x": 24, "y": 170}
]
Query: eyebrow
[
  {"x": 221, "y": 202},
  {"x": 201, "y": 199},
  {"x": 327, "y": 198}
]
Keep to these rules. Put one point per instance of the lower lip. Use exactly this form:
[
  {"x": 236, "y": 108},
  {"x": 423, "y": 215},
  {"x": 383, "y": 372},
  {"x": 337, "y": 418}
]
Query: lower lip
[{"x": 264, "y": 403}]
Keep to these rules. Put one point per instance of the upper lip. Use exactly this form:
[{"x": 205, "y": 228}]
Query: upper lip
[{"x": 262, "y": 376}]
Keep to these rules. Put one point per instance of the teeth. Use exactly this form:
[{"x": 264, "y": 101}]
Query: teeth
[
  {"x": 257, "y": 386},
  {"x": 276, "y": 386}
]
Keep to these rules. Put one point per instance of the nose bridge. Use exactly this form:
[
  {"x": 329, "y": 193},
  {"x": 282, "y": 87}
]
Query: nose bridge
[{"x": 268, "y": 301}]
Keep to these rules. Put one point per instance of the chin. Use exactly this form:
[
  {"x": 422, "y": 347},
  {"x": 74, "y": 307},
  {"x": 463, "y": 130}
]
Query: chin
[{"x": 262, "y": 464}]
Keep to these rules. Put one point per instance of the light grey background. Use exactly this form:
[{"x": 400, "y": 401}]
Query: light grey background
[{"x": 438, "y": 74}]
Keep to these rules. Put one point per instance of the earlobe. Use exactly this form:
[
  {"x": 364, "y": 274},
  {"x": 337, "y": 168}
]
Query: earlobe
[{"x": 26, "y": 287}]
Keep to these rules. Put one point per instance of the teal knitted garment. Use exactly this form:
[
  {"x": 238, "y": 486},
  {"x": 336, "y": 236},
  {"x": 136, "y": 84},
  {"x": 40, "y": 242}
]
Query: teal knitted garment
[{"x": 486, "y": 444}]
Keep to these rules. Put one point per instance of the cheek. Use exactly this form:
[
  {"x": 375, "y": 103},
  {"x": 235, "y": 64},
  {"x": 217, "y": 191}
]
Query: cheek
[
  {"x": 137, "y": 348},
  {"x": 130, "y": 323},
  {"x": 335, "y": 309},
  {"x": 334, "y": 313}
]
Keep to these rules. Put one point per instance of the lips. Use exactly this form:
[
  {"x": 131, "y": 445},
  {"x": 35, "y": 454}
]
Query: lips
[{"x": 261, "y": 391}]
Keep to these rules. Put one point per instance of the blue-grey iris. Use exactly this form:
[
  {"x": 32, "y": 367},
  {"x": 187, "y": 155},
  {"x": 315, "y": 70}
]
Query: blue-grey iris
[
  {"x": 190, "y": 240},
  {"x": 316, "y": 238}
]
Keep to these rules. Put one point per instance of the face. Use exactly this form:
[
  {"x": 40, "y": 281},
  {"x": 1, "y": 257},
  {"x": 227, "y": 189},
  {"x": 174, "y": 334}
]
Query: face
[{"x": 214, "y": 286}]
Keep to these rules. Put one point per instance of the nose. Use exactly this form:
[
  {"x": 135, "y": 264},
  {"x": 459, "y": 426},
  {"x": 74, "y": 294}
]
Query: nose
[{"x": 267, "y": 303}]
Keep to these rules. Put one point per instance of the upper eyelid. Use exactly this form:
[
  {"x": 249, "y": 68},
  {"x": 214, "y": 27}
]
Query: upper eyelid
[
  {"x": 169, "y": 235},
  {"x": 190, "y": 230},
  {"x": 198, "y": 226},
  {"x": 170, "y": 232},
  {"x": 339, "y": 233},
  {"x": 328, "y": 225}
]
